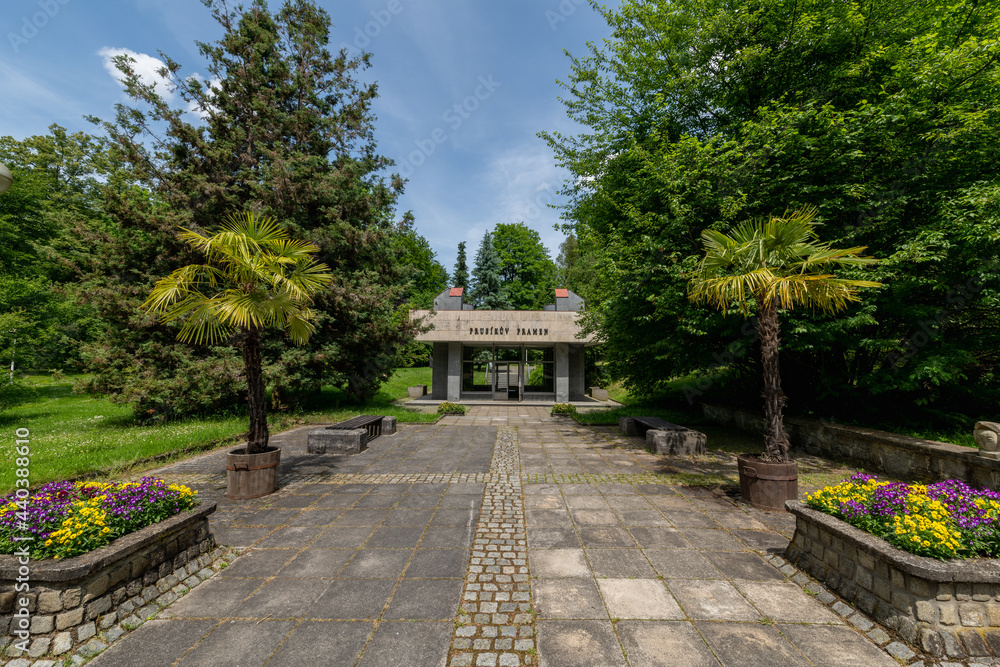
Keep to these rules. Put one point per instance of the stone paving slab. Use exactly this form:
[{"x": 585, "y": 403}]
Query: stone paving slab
[{"x": 505, "y": 537}]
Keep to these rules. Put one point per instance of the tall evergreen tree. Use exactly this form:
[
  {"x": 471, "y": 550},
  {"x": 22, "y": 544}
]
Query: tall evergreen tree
[
  {"x": 283, "y": 129},
  {"x": 487, "y": 290},
  {"x": 461, "y": 268},
  {"x": 527, "y": 273}
]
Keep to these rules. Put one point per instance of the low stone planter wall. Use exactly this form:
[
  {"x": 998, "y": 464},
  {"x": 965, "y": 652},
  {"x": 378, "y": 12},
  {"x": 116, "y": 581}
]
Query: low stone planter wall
[
  {"x": 898, "y": 455},
  {"x": 70, "y": 601},
  {"x": 948, "y": 608}
]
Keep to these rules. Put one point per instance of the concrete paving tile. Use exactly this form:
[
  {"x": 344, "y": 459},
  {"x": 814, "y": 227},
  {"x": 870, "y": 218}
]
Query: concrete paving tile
[
  {"x": 551, "y": 537},
  {"x": 763, "y": 540},
  {"x": 681, "y": 564},
  {"x": 664, "y": 644},
  {"x": 438, "y": 564},
  {"x": 642, "y": 518},
  {"x": 738, "y": 521},
  {"x": 831, "y": 646},
  {"x": 425, "y": 600},
  {"x": 362, "y": 517},
  {"x": 352, "y": 599},
  {"x": 579, "y": 490},
  {"x": 461, "y": 502},
  {"x": 454, "y": 517},
  {"x": 576, "y": 643},
  {"x": 656, "y": 490},
  {"x": 569, "y": 598},
  {"x": 293, "y": 502},
  {"x": 432, "y": 488},
  {"x": 750, "y": 645},
  {"x": 241, "y": 537},
  {"x": 316, "y": 564},
  {"x": 546, "y": 502},
  {"x": 290, "y": 537},
  {"x": 215, "y": 598},
  {"x": 639, "y": 599},
  {"x": 409, "y": 517},
  {"x": 587, "y": 503},
  {"x": 378, "y": 500},
  {"x": 369, "y": 563},
  {"x": 549, "y": 563},
  {"x": 336, "y": 501},
  {"x": 396, "y": 644},
  {"x": 314, "y": 517},
  {"x": 619, "y": 563},
  {"x": 281, "y": 598},
  {"x": 674, "y": 503},
  {"x": 343, "y": 537},
  {"x": 354, "y": 488},
  {"x": 168, "y": 640},
  {"x": 546, "y": 517},
  {"x": 601, "y": 536},
  {"x": 743, "y": 565},
  {"x": 595, "y": 518},
  {"x": 445, "y": 537},
  {"x": 268, "y": 517},
  {"x": 258, "y": 563},
  {"x": 712, "y": 600},
  {"x": 466, "y": 488},
  {"x": 540, "y": 489},
  {"x": 244, "y": 643},
  {"x": 395, "y": 537},
  {"x": 419, "y": 501},
  {"x": 323, "y": 643},
  {"x": 690, "y": 519},
  {"x": 712, "y": 540},
  {"x": 314, "y": 489},
  {"x": 786, "y": 602},
  {"x": 659, "y": 537}
]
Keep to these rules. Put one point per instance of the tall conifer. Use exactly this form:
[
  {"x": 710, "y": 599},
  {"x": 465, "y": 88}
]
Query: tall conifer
[{"x": 487, "y": 291}]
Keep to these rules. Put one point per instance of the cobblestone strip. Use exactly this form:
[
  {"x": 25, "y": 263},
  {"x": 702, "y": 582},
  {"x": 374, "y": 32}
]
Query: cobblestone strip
[
  {"x": 495, "y": 626},
  {"x": 294, "y": 480}
]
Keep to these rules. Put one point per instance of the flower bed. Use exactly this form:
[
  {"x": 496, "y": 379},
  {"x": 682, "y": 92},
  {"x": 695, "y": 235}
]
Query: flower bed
[
  {"x": 944, "y": 520},
  {"x": 448, "y": 408},
  {"x": 64, "y": 519}
]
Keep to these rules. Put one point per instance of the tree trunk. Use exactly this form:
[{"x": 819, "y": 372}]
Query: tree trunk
[
  {"x": 258, "y": 435},
  {"x": 775, "y": 440}
]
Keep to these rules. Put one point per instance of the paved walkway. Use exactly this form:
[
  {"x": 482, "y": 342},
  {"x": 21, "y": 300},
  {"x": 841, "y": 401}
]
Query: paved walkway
[{"x": 502, "y": 538}]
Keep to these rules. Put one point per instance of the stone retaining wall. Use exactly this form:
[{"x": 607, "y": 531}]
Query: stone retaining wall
[
  {"x": 948, "y": 608},
  {"x": 70, "y": 601},
  {"x": 898, "y": 455}
]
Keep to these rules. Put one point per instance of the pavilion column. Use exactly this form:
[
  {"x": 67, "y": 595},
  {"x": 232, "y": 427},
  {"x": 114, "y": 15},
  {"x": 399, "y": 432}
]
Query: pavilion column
[
  {"x": 454, "y": 372},
  {"x": 562, "y": 372}
]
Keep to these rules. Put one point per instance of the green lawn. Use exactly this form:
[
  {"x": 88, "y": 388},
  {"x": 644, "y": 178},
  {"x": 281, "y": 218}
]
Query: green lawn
[{"x": 79, "y": 434}]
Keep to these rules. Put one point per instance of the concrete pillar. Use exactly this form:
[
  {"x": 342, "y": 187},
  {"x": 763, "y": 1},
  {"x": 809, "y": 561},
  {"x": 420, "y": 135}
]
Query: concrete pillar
[
  {"x": 439, "y": 372},
  {"x": 454, "y": 372},
  {"x": 577, "y": 364},
  {"x": 562, "y": 372}
]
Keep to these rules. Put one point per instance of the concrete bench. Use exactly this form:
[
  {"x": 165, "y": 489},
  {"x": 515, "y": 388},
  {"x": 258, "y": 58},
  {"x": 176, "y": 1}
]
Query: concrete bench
[
  {"x": 351, "y": 436},
  {"x": 599, "y": 394},
  {"x": 417, "y": 391}
]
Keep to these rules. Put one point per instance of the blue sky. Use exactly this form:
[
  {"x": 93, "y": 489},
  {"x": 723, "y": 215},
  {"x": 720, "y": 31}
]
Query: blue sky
[{"x": 469, "y": 166}]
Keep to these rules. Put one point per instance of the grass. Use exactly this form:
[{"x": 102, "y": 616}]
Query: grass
[{"x": 75, "y": 435}]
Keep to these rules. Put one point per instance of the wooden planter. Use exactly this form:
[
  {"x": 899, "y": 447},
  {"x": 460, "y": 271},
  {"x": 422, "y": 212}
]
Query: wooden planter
[
  {"x": 765, "y": 485},
  {"x": 252, "y": 475}
]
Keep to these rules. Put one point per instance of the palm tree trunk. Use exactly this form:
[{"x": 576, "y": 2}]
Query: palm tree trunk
[
  {"x": 775, "y": 439},
  {"x": 258, "y": 435}
]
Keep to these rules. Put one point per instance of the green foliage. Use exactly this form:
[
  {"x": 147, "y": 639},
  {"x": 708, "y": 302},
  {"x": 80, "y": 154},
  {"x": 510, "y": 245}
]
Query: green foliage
[
  {"x": 428, "y": 277},
  {"x": 884, "y": 117},
  {"x": 576, "y": 270},
  {"x": 448, "y": 408},
  {"x": 14, "y": 393},
  {"x": 461, "y": 268},
  {"x": 487, "y": 287},
  {"x": 526, "y": 271},
  {"x": 285, "y": 131},
  {"x": 563, "y": 409}
]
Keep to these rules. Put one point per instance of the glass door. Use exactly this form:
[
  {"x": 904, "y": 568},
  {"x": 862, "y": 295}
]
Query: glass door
[{"x": 509, "y": 381}]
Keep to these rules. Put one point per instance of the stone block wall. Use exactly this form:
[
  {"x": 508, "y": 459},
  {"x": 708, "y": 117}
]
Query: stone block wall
[
  {"x": 948, "y": 608},
  {"x": 901, "y": 456},
  {"x": 104, "y": 593}
]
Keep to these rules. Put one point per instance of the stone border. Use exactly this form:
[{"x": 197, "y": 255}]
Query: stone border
[
  {"x": 69, "y": 601},
  {"x": 948, "y": 608},
  {"x": 897, "y": 455}
]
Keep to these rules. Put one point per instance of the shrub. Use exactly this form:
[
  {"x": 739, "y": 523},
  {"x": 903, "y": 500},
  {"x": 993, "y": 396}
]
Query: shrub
[
  {"x": 64, "y": 519},
  {"x": 948, "y": 519},
  {"x": 563, "y": 409},
  {"x": 448, "y": 408}
]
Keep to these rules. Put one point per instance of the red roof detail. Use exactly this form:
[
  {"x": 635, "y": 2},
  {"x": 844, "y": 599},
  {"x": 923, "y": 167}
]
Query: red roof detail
[
  {"x": 562, "y": 293},
  {"x": 455, "y": 291}
]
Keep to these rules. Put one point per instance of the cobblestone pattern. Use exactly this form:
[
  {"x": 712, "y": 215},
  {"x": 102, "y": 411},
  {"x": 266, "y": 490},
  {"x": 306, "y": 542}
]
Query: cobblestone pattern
[
  {"x": 495, "y": 626},
  {"x": 130, "y": 614},
  {"x": 291, "y": 481}
]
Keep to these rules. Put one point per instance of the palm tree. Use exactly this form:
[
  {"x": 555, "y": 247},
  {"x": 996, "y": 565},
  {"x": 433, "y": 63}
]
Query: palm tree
[
  {"x": 256, "y": 278},
  {"x": 776, "y": 263}
]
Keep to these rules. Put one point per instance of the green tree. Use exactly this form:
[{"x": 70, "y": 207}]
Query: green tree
[
  {"x": 885, "y": 117},
  {"x": 487, "y": 289},
  {"x": 256, "y": 279},
  {"x": 775, "y": 264},
  {"x": 527, "y": 273},
  {"x": 283, "y": 128},
  {"x": 576, "y": 269},
  {"x": 428, "y": 277},
  {"x": 461, "y": 267}
]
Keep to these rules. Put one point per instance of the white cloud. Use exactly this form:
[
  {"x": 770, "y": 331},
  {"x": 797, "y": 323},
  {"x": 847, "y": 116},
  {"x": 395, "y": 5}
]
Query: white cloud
[{"x": 145, "y": 65}]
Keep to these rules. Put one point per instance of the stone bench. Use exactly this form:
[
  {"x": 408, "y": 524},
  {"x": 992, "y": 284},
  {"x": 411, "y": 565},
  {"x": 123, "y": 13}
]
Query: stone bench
[
  {"x": 599, "y": 394},
  {"x": 417, "y": 391},
  {"x": 337, "y": 439},
  {"x": 663, "y": 437}
]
